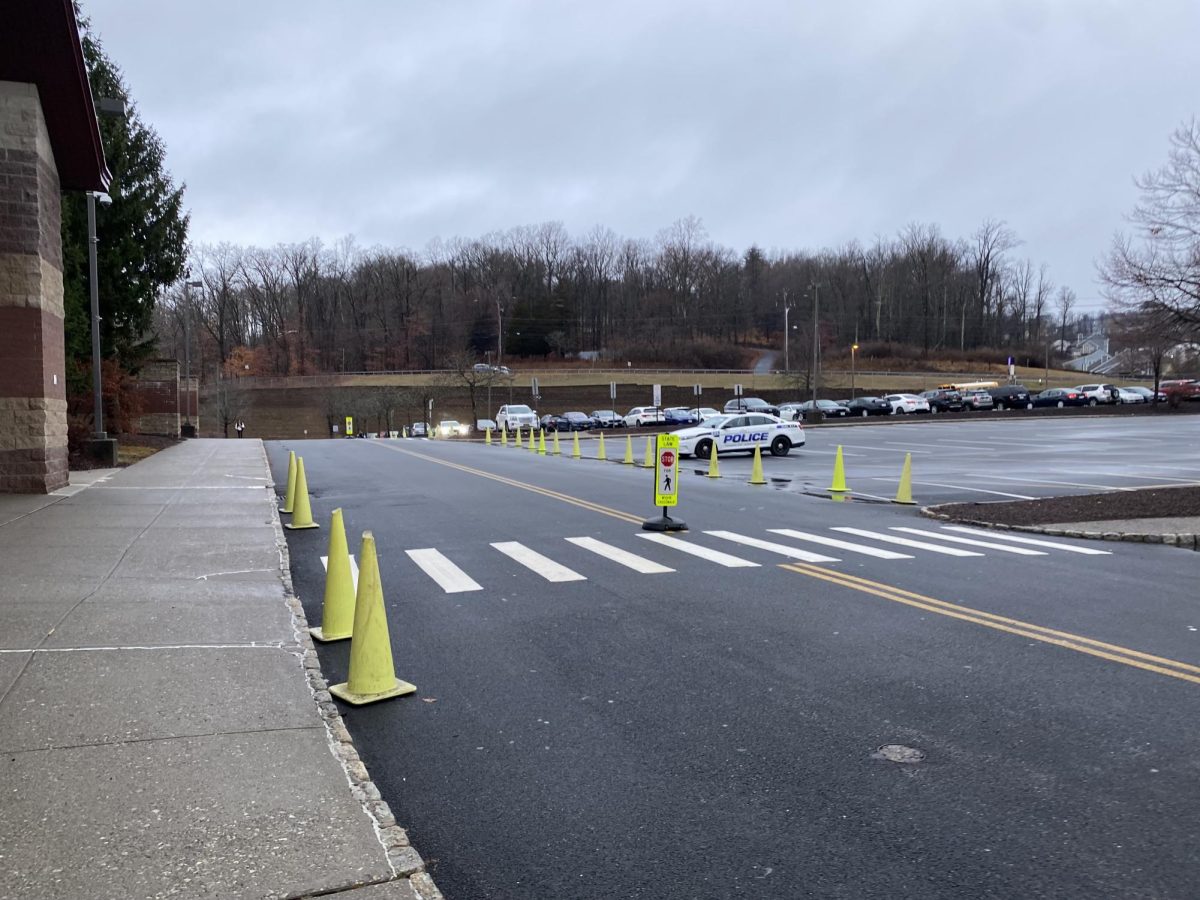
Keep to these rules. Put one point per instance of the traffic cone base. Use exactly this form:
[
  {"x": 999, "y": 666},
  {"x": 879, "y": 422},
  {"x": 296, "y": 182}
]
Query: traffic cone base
[
  {"x": 839, "y": 474},
  {"x": 289, "y": 495},
  {"x": 756, "y": 473},
  {"x": 398, "y": 689},
  {"x": 302, "y": 512}
]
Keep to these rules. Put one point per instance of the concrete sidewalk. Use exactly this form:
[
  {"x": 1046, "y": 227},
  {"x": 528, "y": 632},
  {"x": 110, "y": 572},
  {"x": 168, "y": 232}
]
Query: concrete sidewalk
[{"x": 164, "y": 729}]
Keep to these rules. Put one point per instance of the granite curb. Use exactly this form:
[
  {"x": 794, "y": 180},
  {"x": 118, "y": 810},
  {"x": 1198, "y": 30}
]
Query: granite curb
[
  {"x": 403, "y": 859},
  {"x": 1188, "y": 541}
]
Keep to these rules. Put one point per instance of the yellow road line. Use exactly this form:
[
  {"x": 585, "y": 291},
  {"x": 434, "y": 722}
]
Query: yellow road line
[
  {"x": 525, "y": 486},
  {"x": 1078, "y": 643}
]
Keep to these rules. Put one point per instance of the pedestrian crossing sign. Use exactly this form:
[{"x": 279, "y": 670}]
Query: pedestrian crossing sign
[
  {"x": 349, "y": 426},
  {"x": 666, "y": 470}
]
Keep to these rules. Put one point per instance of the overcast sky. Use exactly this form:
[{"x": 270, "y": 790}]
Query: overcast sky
[{"x": 791, "y": 125}]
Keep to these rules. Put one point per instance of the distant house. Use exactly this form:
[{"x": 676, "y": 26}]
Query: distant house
[{"x": 1090, "y": 354}]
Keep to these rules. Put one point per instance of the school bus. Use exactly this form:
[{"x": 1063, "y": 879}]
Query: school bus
[{"x": 969, "y": 386}]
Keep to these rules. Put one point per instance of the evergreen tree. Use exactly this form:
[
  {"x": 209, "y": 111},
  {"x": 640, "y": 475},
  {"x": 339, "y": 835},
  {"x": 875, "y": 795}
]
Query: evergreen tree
[{"x": 142, "y": 234}]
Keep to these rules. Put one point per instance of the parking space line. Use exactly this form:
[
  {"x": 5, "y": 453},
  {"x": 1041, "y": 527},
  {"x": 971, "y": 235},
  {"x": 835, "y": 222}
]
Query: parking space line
[
  {"x": 884, "y": 449},
  {"x": 619, "y": 556},
  {"x": 781, "y": 549},
  {"x": 450, "y": 578},
  {"x": 1103, "y": 487},
  {"x": 959, "y": 487},
  {"x": 542, "y": 565},
  {"x": 906, "y": 542},
  {"x": 353, "y": 569},
  {"x": 1036, "y": 542},
  {"x": 721, "y": 559},
  {"x": 840, "y": 545},
  {"x": 987, "y": 545}
]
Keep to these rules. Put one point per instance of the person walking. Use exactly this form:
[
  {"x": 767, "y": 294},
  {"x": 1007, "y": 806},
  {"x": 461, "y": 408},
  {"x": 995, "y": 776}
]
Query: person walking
[{"x": 240, "y": 426}]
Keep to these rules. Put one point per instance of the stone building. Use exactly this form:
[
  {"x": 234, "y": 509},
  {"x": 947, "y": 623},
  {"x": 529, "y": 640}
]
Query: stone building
[{"x": 49, "y": 142}]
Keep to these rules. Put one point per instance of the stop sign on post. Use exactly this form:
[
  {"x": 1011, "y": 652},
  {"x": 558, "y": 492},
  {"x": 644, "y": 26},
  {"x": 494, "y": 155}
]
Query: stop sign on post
[{"x": 668, "y": 459}]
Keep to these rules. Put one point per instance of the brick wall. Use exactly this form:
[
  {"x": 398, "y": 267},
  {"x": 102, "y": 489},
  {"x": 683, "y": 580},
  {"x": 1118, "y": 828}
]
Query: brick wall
[
  {"x": 158, "y": 390},
  {"x": 33, "y": 405}
]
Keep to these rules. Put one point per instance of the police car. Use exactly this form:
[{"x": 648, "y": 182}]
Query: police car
[{"x": 730, "y": 433}]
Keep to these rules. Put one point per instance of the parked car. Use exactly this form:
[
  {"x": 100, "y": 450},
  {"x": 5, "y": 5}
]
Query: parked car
[
  {"x": 551, "y": 422},
  {"x": 451, "y": 428},
  {"x": 576, "y": 421},
  {"x": 1128, "y": 395},
  {"x": 1060, "y": 397},
  {"x": 1147, "y": 394},
  {"x": 643, "y": 415},
  {"x": 751, "y": 404},
  {"x": 418, "y": 429},
  {"x": 828, "y": 408},
  {"x": 1011, "y": 396},
  {"x": 788, "y": 411},
  {"x": 607, "y": 418},
  {"x": 1184, "y": 388},
  {"x": 1098, "y": 393},
  {"x": 907, "y": 403},
  {"x": 869, "y": 406},
  {"x": 944, "y": 400},
  {"x": 516, "y": 415},
  {"x": 680, "y": 415},
  {"x": 482, "y": 425},
  {"x": 978, "y": 400}
]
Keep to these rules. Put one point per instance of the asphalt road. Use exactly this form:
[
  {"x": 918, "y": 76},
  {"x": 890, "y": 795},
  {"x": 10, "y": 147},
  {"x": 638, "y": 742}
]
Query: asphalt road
[{"x": 714, "y": 730}]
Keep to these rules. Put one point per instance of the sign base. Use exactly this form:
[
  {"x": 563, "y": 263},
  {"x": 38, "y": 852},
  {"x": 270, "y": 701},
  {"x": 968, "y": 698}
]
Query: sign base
[{"x": 665, "y": 523}]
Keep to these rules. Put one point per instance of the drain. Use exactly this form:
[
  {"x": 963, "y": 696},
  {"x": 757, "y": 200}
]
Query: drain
[{"x": 898, "y": 753}]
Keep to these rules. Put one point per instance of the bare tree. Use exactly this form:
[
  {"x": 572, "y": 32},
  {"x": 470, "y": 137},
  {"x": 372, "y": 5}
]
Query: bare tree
[{"x": 1066, "y": 301}]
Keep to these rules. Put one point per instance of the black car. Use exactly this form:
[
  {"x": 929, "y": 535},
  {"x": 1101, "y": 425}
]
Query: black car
[
  {"x": 1011, "y": 396},
  {"x": 944, "y": 400},
  {"x": 575, "y": 421},
  {"x": 1060, "y": 397},
  {"x": 751, "y": 404},
  {"x": 680, "y": 416},
  {"x": 828, "y": 408},
  {"x": 869, "y": 406},
  {"x": 554, "y": 423}
]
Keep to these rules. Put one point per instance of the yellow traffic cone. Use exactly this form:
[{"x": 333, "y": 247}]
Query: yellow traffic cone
[
  {"x": 575, "y": 446},
  {"x": 714, "y": 471},
  {"x": 532, "y": 442},
  {"x": 487, "y": 438},
  {"x": 404, "y": 432},
  {"x": 372, "y": 674},
  {"x": 302, "y": 514},
  {"x": 628, "y": 460},
  {"x": 337, "y": 615},
  {"x": 904, "y": 492},
  {"x": 839, "y": 474},
  {"x": 601, "y": 454},
  {"x": 517, "y": 439},
  {"x": 542, "y": 442},
  {"x": 557, "y": 449},
  {"x": 503, "y": 436},
  {"x": 648, "y": 462},
  {"x": 289, "y": 496},
  {"x": 756, "y": 473}
]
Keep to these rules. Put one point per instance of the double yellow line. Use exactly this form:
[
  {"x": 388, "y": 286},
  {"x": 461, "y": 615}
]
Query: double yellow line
[
  {"x": 1065, "y": 639},
  {"x": 525, "y": 486}
]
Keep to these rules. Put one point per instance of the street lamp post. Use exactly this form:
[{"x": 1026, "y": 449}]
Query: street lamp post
[
  {"x": 816, "y": 348},
  {"x": 499, "y": 334},
  {"x": 853, "y": 351},
  {"x": 786, "y": 363},
  {"x": 187, "y": 348},
  {"x": 98, "y": 432}
]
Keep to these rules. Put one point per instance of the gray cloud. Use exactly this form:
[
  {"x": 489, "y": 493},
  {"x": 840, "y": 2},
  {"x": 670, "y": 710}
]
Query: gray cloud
[{"x": 776, "y": 124}]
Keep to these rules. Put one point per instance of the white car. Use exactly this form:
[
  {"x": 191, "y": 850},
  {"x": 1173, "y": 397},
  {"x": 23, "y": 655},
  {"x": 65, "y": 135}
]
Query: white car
[
  {"x": 643, "y": 415},
  {"x": 451, "y": 428},
  {"x": 1125, "y": 395},
  {"x": 740, "y": 432},
  {"x": 1098, "y": 393},
  {"x": 907, "y": 403},
  {"x": 516, "y": 415}
]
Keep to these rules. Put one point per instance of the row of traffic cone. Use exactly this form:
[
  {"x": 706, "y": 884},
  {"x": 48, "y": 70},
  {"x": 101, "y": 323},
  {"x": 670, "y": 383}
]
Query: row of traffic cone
[
  {"x": 903, "y": 492},
  {"x": 357, "y": 614}
]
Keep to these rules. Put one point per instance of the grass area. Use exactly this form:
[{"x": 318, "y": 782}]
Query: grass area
[{"x": 128, "y": 454}]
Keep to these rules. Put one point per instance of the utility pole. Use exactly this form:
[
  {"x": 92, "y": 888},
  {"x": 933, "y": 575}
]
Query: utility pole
[{"x": 816, "y": 345}]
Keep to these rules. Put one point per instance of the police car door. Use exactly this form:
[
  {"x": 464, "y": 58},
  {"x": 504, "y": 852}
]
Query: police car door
[{"x": 736, "y": 434}]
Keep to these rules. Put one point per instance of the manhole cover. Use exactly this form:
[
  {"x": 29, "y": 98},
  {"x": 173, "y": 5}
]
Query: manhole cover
[{"x": 898, "y": 753}]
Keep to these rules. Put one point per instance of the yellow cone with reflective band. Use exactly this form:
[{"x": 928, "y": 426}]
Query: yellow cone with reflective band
[
  {"x": 756, "y": 473},
  {"x": 372, "y": 674},
  {"x": 628, "y": 460},
  {"x": 557, "y": 449},
  {"x": 532, "y": 442},
  {"x": 337, "y": 615},
  {"x": 542, "y": 442},
  {"x": 714, "y": 471},
  {"x": 404, "y": 432},
  {"x": 601, "y": 454},
  {"x": 575, "y": 446},
  {"x": 487, "y": 437},
  {"x": 839, "y": 474},
  {"x": 503, "y": 436},
  {"x": 289, "y": 496},
  {"x": 904, "y": 492},
  {"x": 517, "y": 439},
  {"x": 648, "y": 462},
  {"x": 302, "y": 513}
]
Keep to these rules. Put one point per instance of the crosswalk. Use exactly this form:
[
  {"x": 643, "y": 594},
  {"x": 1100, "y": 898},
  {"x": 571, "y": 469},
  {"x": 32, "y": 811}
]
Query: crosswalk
[{"x": 838, "y": 544}]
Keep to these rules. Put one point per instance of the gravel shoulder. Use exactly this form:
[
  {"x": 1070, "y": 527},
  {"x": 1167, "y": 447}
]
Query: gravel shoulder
[{"x": 1151, "y": 503}]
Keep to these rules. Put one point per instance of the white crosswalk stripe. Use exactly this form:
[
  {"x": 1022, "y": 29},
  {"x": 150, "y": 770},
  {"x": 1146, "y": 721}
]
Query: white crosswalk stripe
[
  {"x": 782, "y": 549},
  {"x": 353, "y": 568},
  {"x": 1036, "y": 542},
  {"x": 721, "y": 559},
  {"x": 907, "y": 542},
  {"x": 841, "y": 545},
  {"x": 449, "y": 577},
  {"x": 543, "y": 565},
  {"x": 619, "y": 556},
  {"x": 987, "y": 545}
]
